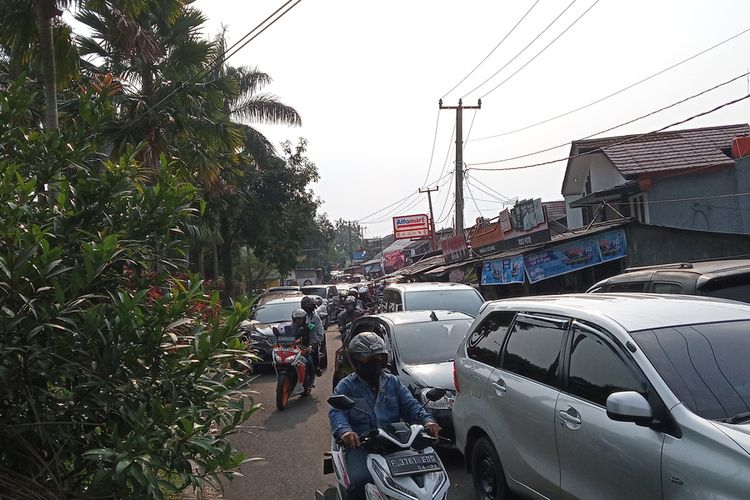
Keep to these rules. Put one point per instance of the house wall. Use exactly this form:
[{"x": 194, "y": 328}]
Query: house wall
[
  {"x": 649, "y": 245},
  {"x": 705, "y": 212},
  {"x": 603, "y": 176}
]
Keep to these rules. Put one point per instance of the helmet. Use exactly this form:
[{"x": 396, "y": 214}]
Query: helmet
[
  {"x": 364, "y": 345},
  {"x": 350, "y": 301},
  {"x": 308, "y": 303},
  {"x": 299, "y": 313},
  {"x": 318, "y": 300}
]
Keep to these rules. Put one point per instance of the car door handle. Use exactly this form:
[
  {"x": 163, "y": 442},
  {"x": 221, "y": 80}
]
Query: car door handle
[
  {"x": 499, "y": 386},
  {"x": 569, "y": 418}
]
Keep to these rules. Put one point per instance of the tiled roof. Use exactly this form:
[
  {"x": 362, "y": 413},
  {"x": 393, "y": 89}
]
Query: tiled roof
[
  {"x": 634, "y": 155},
  {"x": 555, "y": 209}
]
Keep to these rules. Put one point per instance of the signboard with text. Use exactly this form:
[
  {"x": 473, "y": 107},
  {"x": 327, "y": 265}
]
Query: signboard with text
[
  {"x": 411, "y": 226},
  {"x": 454, "y": 248},
  {"x": 393, "y": 261},
  {"x": 503, "y": 271},
  {"x": 525, "y": 224}
]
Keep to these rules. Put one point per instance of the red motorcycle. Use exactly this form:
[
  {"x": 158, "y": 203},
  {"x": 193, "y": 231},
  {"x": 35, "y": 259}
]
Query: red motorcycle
[{"x": 289, "y": 359}]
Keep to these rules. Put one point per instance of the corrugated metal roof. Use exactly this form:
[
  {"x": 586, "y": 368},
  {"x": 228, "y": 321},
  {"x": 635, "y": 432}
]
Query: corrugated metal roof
[{"x": 635, "y": 155}]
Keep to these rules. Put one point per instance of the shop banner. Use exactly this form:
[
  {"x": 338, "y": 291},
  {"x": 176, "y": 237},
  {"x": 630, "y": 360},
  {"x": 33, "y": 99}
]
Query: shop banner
[
  {"x": 613, "y": 245},
  {"x": 454, "y": 248},
  {"x": 503, "y": 271},
  {"x": 393, "y": 261},
  {"x": 562, "y": 259}
]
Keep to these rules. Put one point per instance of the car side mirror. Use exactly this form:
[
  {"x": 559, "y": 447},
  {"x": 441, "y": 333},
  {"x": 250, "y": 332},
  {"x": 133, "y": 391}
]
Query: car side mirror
[
  {"x": 629, "y": 406},
  {"x": 435, "y": 394},
  {"x": 341, "y": 402}
]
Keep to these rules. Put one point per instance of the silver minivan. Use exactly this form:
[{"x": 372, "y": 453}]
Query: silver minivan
[{"x": 606, "y": 396}]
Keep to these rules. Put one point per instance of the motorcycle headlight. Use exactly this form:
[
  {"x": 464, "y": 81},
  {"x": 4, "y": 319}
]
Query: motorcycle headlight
[{"x": 444, "y": 403}]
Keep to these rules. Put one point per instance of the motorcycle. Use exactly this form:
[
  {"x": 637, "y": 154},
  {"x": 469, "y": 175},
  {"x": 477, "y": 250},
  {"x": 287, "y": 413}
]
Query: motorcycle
[
  {"x": 288, "y": 356},
  {"x": 401, "y": 460}
]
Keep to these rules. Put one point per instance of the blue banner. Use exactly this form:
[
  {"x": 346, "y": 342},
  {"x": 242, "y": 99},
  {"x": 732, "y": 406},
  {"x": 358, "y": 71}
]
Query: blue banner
[
  {"x": 562, "y": 259},
  {"x": 613, "y": 245},
  {"x": 503, "y": 271}
]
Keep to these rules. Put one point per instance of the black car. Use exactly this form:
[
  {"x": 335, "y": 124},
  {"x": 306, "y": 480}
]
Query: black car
[
  {"x": 259, "y": 329},
  {"x": 421, "y": 347}
]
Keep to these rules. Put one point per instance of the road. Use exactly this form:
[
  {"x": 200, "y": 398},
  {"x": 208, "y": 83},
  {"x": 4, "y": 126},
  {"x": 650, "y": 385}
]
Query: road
[{"x": 289, "y": 445}]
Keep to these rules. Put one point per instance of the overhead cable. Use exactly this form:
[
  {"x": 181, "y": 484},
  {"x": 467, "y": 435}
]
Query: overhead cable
[
  {"x": 522, "y": 50},
  {"x": 432, "y": 154},
  {"x": 613, "y": 94},
  {"x": 540, "y": 52},
  {"x": 493, "y": 50},
  {"x": 681, "y": 101},
  {"x": 502, "y": 196},
  {"x": 604, "y": 148}
]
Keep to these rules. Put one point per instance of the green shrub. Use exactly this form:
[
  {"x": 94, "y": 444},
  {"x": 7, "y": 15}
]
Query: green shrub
[{"x": 112, "y": 374}]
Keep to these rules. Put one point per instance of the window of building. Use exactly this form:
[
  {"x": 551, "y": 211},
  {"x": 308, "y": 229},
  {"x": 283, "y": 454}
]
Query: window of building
[
  {"x": 485, "y": 343},
  {"x": 639, "y": 207}
]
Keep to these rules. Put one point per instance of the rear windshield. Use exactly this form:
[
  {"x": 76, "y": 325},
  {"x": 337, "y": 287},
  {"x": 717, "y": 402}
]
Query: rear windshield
[
  {"x": 705, "y": 365},
  {"x": 276, "y": 313},
  {"x": 320, "y": 291},
  {"x": 442, "y": 337},
  {"x": 734, "y": 288},
  {"x": 465, "y": 301}
]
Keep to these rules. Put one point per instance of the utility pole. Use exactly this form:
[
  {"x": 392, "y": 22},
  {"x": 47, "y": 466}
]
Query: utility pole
[
  {"x": 432, "y": 219},
  {"x": 351, "y": 255},
  {"x": 459, "y": 226}
]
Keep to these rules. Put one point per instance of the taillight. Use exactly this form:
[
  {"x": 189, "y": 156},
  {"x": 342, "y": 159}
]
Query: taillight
[{"x": 455, "y": 376}]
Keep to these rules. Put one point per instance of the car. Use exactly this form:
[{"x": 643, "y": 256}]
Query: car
[
  {"x": 259, "y": 328},
  {"x": 421, "y": 347},
  {"x": 726, "y": 278},
  {"x": 429, "y": 296},
  {"x": 324, "y": 291},
  {"x": 606, "y": 396},
  {"x": 266, "y": 296},
  {"x": 284, "y": 288}
]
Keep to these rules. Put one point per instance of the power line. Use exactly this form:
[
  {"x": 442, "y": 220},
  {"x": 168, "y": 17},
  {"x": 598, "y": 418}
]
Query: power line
[
  {"x": 523, "y": 49},
  {"x": 681, "y": 101},
  {"x": 448, "y": 196},
  {"x": 504, "y": 201},
  {"x": 432, "y": 154},
  {"x": 676, "y": 200},
  {"x": 221, "y": 59},
  {"x": 502, "y": 196},
  {"x": 450, "y": 148},
  {"x": 471, "y": 195},
  {"x": 493, "y": 50},
  {"x": 613, "y": 94},
  {"x": 364, "y": 219},
  {"x": 629, "y": 139},
  {"x": 471, "y": 126},
  {"x": 541, "y": 51},
  {"x": 402, "y": 205}
]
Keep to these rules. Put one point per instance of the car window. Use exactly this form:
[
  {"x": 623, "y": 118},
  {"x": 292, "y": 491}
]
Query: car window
[
  {"x": 429, "y": 342},
  {"x": 276, "y": 313},
  {"x": 733, "y": 288},
  {"x": 628, "y": 286},
  {"x": 393, "y": 300},
  {"x": 486, "y": 341},
  {"x": 533, "y": 349},
  {"x": 314, "y": 290},
  {"x": 464, "y": 300},
  {"x": 596, "y": 369},
  {"x": 704, "y": 365},
  {"x": 675, "y": 288}
]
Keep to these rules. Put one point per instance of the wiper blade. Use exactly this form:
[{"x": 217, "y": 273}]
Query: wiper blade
[{"x": 739, "y": 418}]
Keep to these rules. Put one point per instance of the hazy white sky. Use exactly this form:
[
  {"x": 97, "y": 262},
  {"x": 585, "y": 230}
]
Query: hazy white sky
[{"x": 366, "y": 78}]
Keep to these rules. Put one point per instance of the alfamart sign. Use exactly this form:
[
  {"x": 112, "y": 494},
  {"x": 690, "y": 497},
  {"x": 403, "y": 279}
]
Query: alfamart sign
[{"x": 411, "y": 226}]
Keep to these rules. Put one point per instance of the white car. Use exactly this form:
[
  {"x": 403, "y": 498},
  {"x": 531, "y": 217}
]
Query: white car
[
  {"x": 430, "y": 296},
  {"x": 606, "y": 396}
]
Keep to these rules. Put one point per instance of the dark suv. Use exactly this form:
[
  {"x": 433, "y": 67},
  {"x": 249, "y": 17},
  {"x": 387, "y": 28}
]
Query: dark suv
[{"x": 726, "y": 279}]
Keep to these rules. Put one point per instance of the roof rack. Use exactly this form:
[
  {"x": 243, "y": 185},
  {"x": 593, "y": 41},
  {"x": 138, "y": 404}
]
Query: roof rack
[{"x": 676, "y": 265}]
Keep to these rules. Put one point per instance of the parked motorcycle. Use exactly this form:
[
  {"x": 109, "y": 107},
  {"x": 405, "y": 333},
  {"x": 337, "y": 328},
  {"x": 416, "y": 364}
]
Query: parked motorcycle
[
  {"x": 289, "y": 360},
  {"x": 400, "y": 458}
]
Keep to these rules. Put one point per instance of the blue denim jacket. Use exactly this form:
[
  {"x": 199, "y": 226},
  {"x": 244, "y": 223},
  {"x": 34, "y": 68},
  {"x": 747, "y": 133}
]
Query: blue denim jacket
[{"x": 392, "y": 403}]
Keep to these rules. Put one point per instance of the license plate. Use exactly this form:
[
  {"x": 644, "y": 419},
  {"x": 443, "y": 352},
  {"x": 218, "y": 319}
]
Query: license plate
[{"x": 405, "y": 465}]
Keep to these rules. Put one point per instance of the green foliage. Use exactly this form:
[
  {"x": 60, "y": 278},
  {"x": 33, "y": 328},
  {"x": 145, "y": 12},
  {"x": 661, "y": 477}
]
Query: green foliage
[{"x": 113, "y": 375}]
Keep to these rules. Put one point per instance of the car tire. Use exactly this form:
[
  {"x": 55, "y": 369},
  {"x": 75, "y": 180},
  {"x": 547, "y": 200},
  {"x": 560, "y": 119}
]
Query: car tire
[{"x": 487, "y": 472}]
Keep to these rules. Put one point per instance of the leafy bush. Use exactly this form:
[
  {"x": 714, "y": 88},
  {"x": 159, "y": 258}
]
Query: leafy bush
[{"x": 113, "y": 376}]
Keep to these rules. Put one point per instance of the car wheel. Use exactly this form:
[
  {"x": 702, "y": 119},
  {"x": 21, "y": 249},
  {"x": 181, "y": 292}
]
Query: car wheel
[{"x": 487, "y": 472}]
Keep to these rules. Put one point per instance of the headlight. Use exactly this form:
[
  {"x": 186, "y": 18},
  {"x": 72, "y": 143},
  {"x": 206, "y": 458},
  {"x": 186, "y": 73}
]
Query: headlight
[{"x": 444, "y": 403}]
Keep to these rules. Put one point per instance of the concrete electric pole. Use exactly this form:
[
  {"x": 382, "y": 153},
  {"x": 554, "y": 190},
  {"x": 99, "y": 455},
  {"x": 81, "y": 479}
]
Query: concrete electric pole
[
  {"x": 459, "y": 226},
  {"x": 432, "y": 218}
]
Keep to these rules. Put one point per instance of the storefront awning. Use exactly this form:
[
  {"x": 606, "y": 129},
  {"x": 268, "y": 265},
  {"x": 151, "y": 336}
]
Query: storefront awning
[{"x": 614, "y": 193}]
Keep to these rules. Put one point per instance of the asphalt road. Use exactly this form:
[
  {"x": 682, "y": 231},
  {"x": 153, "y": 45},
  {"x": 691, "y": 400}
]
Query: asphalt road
[{"x": 289, "y": 445}]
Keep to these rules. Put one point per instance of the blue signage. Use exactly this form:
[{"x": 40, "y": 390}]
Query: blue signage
[
  {"x": 503, "y": 271},
  {"x": 359, "y": 256},
  {"x": 574, "y": 255}
]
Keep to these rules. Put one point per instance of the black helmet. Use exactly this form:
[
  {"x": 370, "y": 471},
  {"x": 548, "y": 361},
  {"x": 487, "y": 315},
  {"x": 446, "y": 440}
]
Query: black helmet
[
  {"x": 364, "y": 345},
  {"x": 350, "y": 301},
  {"x": 308, "y": 304},
  {"x": 299, "y": 313},
  {"x": 353, "y": 292}
]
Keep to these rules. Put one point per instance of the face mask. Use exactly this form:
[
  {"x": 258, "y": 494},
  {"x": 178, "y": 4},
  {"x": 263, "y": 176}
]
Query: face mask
[{"x": 370, "y": 371}]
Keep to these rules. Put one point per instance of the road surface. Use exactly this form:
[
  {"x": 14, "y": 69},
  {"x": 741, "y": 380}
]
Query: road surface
[{"x": 289, "y": 445}]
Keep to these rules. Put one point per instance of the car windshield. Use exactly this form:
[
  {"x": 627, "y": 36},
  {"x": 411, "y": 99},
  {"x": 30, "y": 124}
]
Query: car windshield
[
  {"x": 430, "y": 342},
  {"x": 276, "y": 313},
  {"x": 320, "y": 291},
  {"x": 465, "y": 301},
  {"x": 705, "y": 365}
]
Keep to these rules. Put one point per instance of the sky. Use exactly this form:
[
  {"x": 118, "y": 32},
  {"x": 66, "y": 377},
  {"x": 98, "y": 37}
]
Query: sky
[{"x": 366, "y": 78}]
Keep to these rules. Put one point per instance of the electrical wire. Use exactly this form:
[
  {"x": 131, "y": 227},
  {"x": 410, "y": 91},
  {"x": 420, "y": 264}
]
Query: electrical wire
[
  {"x": 221, "y": 59},
  {"x": 502, "y": 196},
  {"x": 471, "y": 195},
  {"x": 468, "y": 134},
  {"x": 603, "y": 148},
  {"x": 681, "y": 101},
  {"x": 613, "y": 94},
  {"x": 445, "y": 203},
  {"x": 493, "y": 50},
  {"x": 432, "y": 154},
  {"x": 495, "y": 198},
  {"x": 679, "y": 200},
  {"x": 364, "y": 219},
  {"x": 522, "y": 50},
  {"x": 402, "y": 205},
  {"x": 541, "y": 51},
  {"x": 450, "y": 148}
]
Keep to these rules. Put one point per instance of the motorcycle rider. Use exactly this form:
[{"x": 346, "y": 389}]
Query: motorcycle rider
[
  {"x": 315, "y": 324},
  {"x": 350, "y": 312},
  {"x": 299, "y": 329},
  {"x": 381, "y": 395}
]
